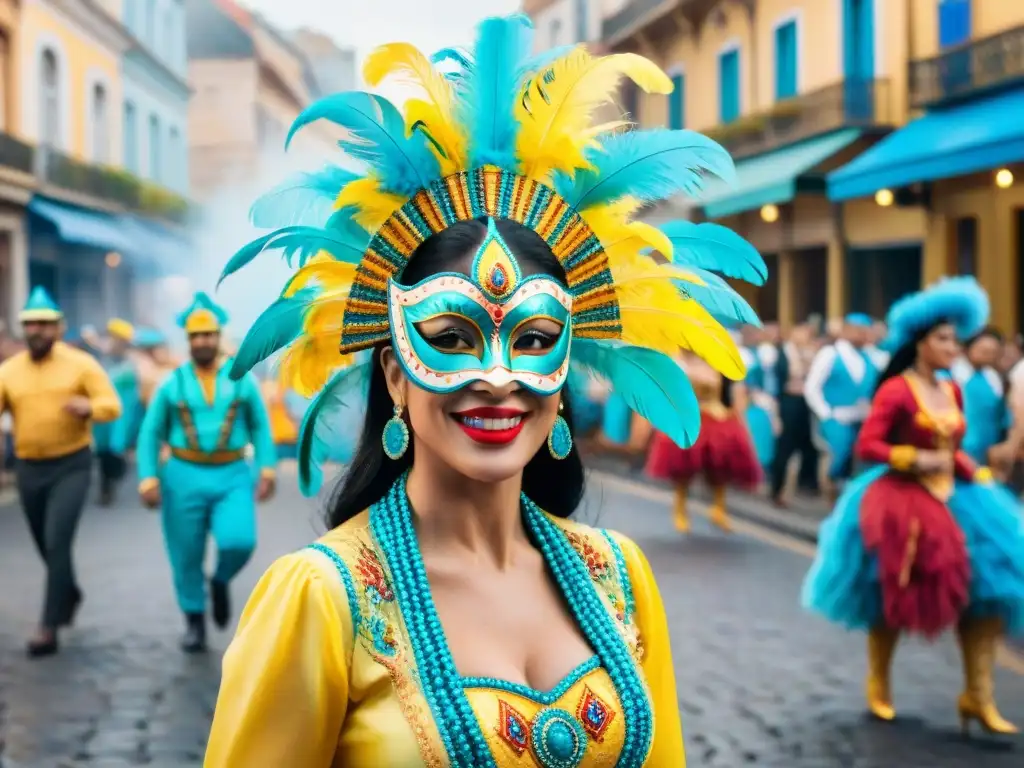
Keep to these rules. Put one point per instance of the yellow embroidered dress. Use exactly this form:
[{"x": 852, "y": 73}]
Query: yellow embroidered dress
[{"x": 325, "y": 671}]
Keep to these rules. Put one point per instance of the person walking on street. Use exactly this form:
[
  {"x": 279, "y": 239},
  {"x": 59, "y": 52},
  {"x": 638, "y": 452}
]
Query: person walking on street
[
  {"x": 206, "y": 487},
  {"x": 790, "y": 370},
  {"x": 54, "y": 394}
]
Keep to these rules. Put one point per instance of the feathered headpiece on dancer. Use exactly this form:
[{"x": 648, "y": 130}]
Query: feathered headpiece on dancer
[
  {"x": 507, "y": 135},
  {"x": 957, "y": 300}
]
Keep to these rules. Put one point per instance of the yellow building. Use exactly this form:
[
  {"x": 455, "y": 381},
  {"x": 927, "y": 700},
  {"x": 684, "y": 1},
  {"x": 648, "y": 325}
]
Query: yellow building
[{"x": 799, "y": 89}]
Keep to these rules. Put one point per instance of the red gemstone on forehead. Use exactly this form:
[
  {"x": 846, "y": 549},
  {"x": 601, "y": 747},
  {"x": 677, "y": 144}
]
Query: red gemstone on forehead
[{"x": 498, "y": 312}]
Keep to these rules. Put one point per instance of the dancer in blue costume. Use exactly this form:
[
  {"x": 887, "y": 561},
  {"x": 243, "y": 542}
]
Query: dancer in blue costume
[
  {"x": 985, "y": 406},
  {"x": 114, "y": 439},
  {"x": 838, "y": 389},
  {"x": 762, "y": 408},
  {"x": 206, "y": 487},
  {"x": 925, "y": 540}
]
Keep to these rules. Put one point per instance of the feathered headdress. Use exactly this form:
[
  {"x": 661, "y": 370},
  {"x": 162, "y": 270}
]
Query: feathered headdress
[
  {"x": 957, "y": 300},
  {"x": 512, "y": 136}
]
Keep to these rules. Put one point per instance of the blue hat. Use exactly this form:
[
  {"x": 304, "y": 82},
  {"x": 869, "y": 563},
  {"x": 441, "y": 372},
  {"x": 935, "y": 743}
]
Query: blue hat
[
  {"x": 203, "y": 316},
  {"x": 40, "y": 307},
  {"x": 149, "y": 338},
  {"x": 957, "y": 300},
  {"x": 859, "y": 319}
]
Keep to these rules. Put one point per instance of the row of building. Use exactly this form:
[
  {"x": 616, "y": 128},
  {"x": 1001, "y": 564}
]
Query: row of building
[
  {"x": 879, "y": 144},
  {"x": 119, "y": 121}
]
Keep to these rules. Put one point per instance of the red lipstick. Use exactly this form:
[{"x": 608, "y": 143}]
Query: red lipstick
[{"x": 490, "y": 425}]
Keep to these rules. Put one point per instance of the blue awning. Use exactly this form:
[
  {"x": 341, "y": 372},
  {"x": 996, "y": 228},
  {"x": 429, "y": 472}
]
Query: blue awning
[
  {"x": 82, "y": 226},
  {"x": 158, "y": 250},
  {"x": 955, "y": 141},
  {"x": 774, "y": 176}
]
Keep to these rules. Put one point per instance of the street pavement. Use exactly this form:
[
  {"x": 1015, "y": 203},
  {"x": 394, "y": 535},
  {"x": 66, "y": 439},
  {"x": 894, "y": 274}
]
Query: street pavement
[{"x": 760, "y": 682}]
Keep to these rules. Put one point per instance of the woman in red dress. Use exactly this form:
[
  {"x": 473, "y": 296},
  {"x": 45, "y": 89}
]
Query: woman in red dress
[
  {"x": 723, "y": 455},
  {"x": 924, "y": 541}
]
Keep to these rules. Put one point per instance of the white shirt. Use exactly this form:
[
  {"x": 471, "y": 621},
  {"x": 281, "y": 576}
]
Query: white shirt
[
  {"x": 818, "y": 376},
  {"x": 878, "y": 356},
  {"x": 962, "y": 372}
]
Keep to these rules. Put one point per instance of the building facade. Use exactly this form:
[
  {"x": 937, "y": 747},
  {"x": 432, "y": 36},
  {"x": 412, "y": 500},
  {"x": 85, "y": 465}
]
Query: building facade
[
  {"x": 333, "y": 67},
  {"x": 801, "y": 92}
]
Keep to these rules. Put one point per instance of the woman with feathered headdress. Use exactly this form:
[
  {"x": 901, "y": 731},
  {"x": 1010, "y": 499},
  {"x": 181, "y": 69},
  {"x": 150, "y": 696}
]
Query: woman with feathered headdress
[
  {"x": 925, "y": 541},
  {"x": 455, "y": 615}
]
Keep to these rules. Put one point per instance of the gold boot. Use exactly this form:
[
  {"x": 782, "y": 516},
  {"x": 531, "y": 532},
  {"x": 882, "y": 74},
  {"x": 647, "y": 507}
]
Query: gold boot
[
  {"x": 680, "y": 516},
  {"x": 719, "y": 517},
  {"x": 881, "y": 647},
  {"x": 977, "y": 638}
]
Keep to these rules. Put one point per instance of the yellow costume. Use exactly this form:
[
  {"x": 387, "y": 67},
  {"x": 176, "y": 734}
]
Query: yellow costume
[{"x": 302, "y": 687}]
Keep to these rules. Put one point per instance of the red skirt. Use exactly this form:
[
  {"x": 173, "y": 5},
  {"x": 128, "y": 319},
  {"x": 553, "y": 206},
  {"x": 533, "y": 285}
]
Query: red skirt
[
  {"x": 923, "y": 566},
  {"x": 723, "y": 455}
]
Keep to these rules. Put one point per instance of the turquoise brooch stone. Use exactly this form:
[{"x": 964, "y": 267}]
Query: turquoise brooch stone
[{"x": 558, "y": 739}]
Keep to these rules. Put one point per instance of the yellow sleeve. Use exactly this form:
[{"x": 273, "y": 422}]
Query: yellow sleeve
[
  {"x": 106, "y": 405},
  {"x": 667, "y": 748},
  {"x": 284, "y": 685}
]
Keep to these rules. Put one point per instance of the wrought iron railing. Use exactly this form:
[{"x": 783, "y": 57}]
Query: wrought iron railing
[
  {"x": 631, "y": 17},
  {"x": 849, "y": 104},
  {"x": 968, "y": 69},
  {"x": 16, "y": 154}
]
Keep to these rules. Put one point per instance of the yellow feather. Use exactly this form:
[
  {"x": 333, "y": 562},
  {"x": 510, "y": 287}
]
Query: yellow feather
[
  {"x": 331, "y": 275},
  {"x": 373, "y": 205},
  {"x": 436, "y": 115},
  {"x": 307, "y": 365},
  {"x": 560, "y": 102}
]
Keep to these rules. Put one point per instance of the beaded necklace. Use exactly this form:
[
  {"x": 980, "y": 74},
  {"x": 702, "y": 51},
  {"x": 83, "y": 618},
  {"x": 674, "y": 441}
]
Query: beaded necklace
[{"x": 391, "y": 521}]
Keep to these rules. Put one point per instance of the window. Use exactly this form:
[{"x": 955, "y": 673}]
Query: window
[
  {"x": 582, "y": 21},
  {"x": 100, "y": 124},
  {"x": 155, "y": 156},
  {"x": 786, "y": 60},
  {"x": 556, "y": 33},
  {"x": 131, "y": 138},
  {"x": 966, "y": 234},
  {"x": 177, "y": 161},
  {"x": 677, "y": 102},
  {"x": 729, "y": 85},
  {"x": 954, "y": 22},
  {"x": 49, "y": 119}
]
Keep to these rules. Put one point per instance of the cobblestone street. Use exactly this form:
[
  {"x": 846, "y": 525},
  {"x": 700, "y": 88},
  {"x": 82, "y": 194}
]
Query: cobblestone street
[{"x": 760, "y": 682}]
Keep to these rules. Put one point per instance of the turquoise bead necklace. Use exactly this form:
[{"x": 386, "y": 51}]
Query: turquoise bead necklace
[{"x": 391, "y": 520}]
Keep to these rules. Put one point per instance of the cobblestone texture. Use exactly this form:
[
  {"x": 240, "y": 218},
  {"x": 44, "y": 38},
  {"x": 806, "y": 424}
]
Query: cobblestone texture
[{"x": 761, "y": 683}]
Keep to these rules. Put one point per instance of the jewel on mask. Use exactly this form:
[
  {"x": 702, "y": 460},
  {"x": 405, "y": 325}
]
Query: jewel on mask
[{"x": 494, "y": 268}]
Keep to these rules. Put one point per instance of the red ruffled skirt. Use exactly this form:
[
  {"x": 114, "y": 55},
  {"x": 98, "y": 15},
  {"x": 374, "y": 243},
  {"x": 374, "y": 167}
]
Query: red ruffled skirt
[
  {"x": 723, "y": 455},
  {"x": 923, "y": 565}
]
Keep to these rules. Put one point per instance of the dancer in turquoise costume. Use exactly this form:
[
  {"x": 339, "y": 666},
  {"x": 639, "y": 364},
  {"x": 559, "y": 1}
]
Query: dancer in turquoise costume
[
  {"x": 114, "y": 439},
  {"x": 985, "y": 406},
  {"x": 838, "y": 389},
  {"x": 206, "y": 487},
  {"x": 488, "y": 246},
  {"x": 762, "y": 413},
  {"x": 925, "y": 540}
]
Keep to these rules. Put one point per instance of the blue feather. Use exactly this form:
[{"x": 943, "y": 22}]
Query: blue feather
[
  {"x": 648, "y": 165},
  {"x": 719, "y": 299},
  {"x": 716, "y": 248},
  {"x": 459, "y": 56},
  {"x": 492, "y": 88},
  {"x": 305, "y": 241},
  {"x": 543, "y": 60},
  {"x": 306, "y": 198},
  {"x": 404, "y": 164},
  {"x": 314, "y": 447},
  {"x": 276, "y": 327},
  {"x": 957, "y": 300},
  {"x": 651, "y": 383}
]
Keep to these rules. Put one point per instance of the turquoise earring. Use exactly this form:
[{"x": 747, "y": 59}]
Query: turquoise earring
[
  {"x": 560, "y": 439},
  {"x": 395, "y": 437}
]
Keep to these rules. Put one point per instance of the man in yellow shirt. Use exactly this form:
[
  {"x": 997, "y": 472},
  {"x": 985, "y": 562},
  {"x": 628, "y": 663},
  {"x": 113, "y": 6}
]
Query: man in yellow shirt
[{"x": 54, "y": 394}]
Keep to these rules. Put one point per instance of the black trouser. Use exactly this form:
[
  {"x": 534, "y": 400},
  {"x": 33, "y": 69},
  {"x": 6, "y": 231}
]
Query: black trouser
[
  {"x": 53, "y": 494},
  {"x": 795, "y": 438},
  {"x": 113, "y": 468}
]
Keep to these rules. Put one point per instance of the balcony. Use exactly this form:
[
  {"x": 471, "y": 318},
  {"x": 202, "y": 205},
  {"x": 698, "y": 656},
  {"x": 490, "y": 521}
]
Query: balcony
[
  {"x": 849, "y": 104},
  {"x": 112, "y": 185},
  {"x": 968, "y": 70},
  {"x": 16, "y": 154}
]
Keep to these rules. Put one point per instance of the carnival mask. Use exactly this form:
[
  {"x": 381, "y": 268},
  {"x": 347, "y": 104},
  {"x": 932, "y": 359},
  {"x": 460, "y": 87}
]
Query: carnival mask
[{"x": 497, "y": 303}]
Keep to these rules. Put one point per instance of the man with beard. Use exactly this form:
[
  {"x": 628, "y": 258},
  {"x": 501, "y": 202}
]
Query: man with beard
[
  {"x": 206, "y": 487},
  {"x": 54, "y": 393}
]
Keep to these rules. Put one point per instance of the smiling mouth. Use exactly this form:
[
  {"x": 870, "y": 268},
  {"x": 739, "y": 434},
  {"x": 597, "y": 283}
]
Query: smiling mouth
[{"x": 491, "y": 426}]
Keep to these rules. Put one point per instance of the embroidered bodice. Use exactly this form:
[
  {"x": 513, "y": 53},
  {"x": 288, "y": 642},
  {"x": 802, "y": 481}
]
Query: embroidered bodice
[{"x": 326, "y": 645}]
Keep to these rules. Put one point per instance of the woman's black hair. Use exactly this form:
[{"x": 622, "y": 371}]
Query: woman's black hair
[
  {"x": 555, "y": 485},
  {"x": 904, "y": 357}
]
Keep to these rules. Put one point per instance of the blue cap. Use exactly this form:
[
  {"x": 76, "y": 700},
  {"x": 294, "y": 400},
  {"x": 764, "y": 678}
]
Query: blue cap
[{"x": 859, "y": 319}]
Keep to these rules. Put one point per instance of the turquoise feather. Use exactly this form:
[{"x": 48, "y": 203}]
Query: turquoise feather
[
  {"x": 648, "y": 165},
  {"x": 543, "y": 60},
  {"x": 719, "y": 299},
  {"x": 276, "y": 327},
  {"x": 651, "y": 383},
  {"x": 459, "y": 56},
  {"x": 346, "y": 386},
  {"x": 714, "y": 247},
  {"x": 306, "y": 198},
  {"x": 404, "y": 164},
  {"x": 305, "y": 241},
  {"x": 492, "y": 88}
]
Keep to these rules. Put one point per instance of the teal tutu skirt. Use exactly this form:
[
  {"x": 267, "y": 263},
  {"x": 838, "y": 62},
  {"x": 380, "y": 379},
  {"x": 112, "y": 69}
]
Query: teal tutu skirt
[
  {"x": 844, "y": 583},
  {"x": 759, "y": 422}
]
